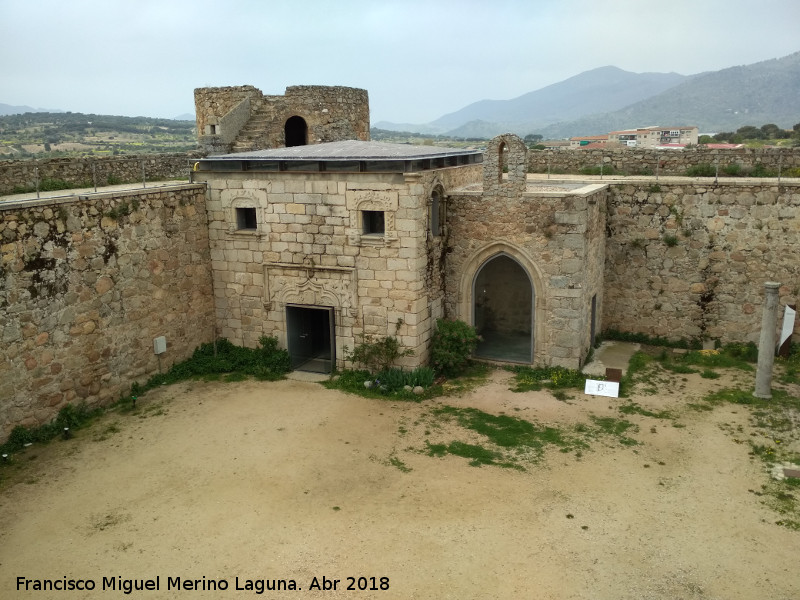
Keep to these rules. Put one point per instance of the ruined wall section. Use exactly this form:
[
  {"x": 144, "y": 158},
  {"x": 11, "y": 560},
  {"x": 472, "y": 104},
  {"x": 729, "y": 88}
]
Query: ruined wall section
[
  {"x": 333, "y": 113},
  {"x": 690, "y": 260},
  {"x": 19, "y": 176},
  {"x": 87, "y": 284},
  {"x": 213, "y": 103}
]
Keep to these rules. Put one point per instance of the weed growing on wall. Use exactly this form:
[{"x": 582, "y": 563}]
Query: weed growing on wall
[{"x": 643, "y": 338}]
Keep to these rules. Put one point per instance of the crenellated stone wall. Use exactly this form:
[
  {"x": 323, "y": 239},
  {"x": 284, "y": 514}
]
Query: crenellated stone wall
[
  {"x": 638, "y": 161},
  {"x": 86, "y": 172},
  {"x": 689, "y": 260},
  {"x": 86, "y": 284}
]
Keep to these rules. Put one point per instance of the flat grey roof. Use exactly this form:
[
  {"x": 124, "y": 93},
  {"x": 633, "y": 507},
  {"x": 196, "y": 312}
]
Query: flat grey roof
[
  {"x": 346, "y": 156},
  {"x": 348, "y": 150}
]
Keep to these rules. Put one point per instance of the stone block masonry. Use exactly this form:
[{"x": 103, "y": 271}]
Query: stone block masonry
[{"x": 85, "y": 286}]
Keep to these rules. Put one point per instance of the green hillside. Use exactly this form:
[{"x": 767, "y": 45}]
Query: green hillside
[{"x": 48, "y": 135}]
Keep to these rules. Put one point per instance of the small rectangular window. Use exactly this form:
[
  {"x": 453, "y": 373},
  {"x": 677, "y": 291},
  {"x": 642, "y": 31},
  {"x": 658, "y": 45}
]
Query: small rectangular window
[
  {"x": 246, "y": 218},
  {"x": 373, "y": 222}
]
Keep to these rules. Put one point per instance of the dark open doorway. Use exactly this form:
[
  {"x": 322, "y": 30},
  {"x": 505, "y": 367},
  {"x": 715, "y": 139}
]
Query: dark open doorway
[
  {"x": 295, "y": 132},
  {"x": 503, "y": 309},
  {"x": 311, "y": 338}
]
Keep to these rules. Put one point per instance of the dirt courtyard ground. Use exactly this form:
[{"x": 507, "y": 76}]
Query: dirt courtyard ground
[{"x": 288, "y": 480}]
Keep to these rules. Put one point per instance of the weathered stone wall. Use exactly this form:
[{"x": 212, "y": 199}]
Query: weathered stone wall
[
  {"x": 87, "y": 284},
  {"x": 85, "y": 172},
  {"x": 332, "y": 113},
  {"x": 689, "y": 260},
  {"x": 638, "y": 161}
]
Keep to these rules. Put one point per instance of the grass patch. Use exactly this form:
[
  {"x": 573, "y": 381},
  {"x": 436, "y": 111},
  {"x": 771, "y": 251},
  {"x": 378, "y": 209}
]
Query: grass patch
[
  {"x": 613, "y": 427},
  {"x": 776, "y": 420},
  {"x": 399, "y": 464},
  {"x": 508, "y": 439},
  {"x": 554, "y": 378},
  {"x": 72, "y": 416},
  {"x": 790, "y": 371},
  {"x": 632, "y": 408},
  {"x": 267, "y": 362},
  {"x": 727, "y": 357},
  {"x": 640, "y": 370}
]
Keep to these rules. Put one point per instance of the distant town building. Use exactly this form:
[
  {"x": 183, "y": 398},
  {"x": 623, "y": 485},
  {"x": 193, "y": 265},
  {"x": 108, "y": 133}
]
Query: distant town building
[
  {"x": 655, "y": 137},
  {"x": 595, "y": 141}
]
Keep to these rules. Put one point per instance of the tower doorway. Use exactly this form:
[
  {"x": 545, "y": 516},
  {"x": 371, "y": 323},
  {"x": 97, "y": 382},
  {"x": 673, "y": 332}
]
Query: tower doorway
[{"x": 295, "y": 132}]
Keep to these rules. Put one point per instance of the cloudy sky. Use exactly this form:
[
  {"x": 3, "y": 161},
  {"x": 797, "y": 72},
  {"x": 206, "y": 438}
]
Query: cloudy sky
[{"x": 419, "y": 59}]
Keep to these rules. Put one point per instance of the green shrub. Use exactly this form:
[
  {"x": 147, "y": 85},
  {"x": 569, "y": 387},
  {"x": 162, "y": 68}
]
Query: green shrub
[
  {"x": 453, "y": 344},
  {"x": 733, "y": 169},
  {"x": 761, "y": 171},
  {"x": 701, "y": 170},
  {"x": 422, "y": 376},
  {"x": 392, "y": 380},
  {"x": 378, "y": 354}
]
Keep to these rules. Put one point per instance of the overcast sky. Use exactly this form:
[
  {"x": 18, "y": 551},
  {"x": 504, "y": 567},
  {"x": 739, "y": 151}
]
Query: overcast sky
[{"x": 419, "y": 59}]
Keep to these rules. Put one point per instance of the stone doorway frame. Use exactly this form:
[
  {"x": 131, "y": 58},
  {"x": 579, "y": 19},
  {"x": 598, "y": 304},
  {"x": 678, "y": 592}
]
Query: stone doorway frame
[
  {"x": 466, "y": 303},
  {"x": 532, "y": 312}
]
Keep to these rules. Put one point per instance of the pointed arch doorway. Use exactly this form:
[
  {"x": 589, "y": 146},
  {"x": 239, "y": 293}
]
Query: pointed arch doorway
[{"x": 503, "y": 302}]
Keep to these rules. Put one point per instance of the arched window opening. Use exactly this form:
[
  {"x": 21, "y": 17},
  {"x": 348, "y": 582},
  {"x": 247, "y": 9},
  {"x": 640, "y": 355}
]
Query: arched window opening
[
  {"x": 502, "y": 160},
  {"x": 437, "y": 216},
  {"x": 503, "y": 310},
  {"x": 295, "y": 132}
]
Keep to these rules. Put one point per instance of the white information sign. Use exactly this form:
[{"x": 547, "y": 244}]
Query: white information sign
[
  {"x": 788, "y": 325},
  {"x": 602, "y": 388}
]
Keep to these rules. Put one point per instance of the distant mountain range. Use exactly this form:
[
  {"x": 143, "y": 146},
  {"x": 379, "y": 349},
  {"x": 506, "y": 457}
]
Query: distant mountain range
[
  {"x": 608, "y": 98},
  {"x": 8, "y": 109}
]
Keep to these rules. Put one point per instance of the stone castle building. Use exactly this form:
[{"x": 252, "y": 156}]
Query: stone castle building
[
  {"x": 323, "y": 243},
  {"x": 295, "y": 225}
]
